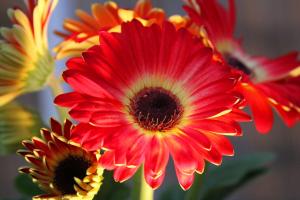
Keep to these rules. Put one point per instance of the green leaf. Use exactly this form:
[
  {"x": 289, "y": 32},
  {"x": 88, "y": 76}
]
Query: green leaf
[
  {"x": 17, "y": 123},
  {"x": 173, "y": 192},
  {"x": 110, "y": 190},
  {"x": 136, "y": 190},
  {"x": 220, "y": 182},
  {"x": 26, "y": 187}
]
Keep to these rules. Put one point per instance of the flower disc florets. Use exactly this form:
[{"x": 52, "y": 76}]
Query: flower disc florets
[{"x": 156, "y": 109}]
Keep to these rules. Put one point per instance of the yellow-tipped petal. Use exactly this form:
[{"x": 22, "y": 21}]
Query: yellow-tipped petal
[
  {"x": 295, "y": 72},
  {"x": 126, "y": 15}
]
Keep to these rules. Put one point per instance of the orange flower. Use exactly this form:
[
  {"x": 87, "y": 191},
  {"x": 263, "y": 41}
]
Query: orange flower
[{"x": 83, "y": 33}]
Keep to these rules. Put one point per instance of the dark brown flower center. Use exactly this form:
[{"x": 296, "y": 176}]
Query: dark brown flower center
[
  {"x": 66, "y": 170},
  {"x": 156, "y": 109},
  {"x": 237, "y": 64}
]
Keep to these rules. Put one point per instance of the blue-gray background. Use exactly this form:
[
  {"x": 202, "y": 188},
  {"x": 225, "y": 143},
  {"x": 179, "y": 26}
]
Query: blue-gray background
[{"x": 268, "y": 27}]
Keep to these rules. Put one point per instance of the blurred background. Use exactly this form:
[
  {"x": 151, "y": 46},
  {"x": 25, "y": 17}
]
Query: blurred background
[{"x": 267, "y": 27}]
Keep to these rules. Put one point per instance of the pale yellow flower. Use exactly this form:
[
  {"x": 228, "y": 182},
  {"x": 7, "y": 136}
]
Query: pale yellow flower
[{"x": 25, "y": 61}]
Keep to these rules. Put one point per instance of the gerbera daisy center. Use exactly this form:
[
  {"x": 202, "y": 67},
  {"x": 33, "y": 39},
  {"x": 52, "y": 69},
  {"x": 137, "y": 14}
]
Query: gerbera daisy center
[
  {"x": 67, "y": 170},
  {"x": 156, "y": 109},
  {"x": 237, "y": 64}
]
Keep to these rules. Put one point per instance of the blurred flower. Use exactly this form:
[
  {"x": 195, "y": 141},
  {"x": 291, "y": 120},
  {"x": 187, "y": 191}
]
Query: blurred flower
[
  {"x": 84, "y": 33},
  {"x": 148, "y": 92},
  {"x": 16, "y": 124},
  {"x": 25, "y": 61},
  {"x": 266, "y": 82},
  {"x": 60, "y": 167}
]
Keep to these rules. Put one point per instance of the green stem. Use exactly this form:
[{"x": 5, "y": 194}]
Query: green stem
[
  {"x": 146, "y": 192},
  {"x": 142, "y": 191},
  {"x": 57, "y": 89}
]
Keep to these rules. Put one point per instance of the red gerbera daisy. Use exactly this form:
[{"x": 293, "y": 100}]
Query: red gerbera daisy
[
  {"x": 266, "y": 82},
  {"x": 148, "y": 92}
]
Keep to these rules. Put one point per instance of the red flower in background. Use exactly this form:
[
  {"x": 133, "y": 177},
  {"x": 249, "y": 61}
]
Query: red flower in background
[
  {"x": 150, "y": 92},
  {"x": 266, "y": 83}
]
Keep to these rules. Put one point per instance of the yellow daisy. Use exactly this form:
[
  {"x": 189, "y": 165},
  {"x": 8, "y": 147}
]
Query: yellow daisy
[{"x": 25, "y": 61}]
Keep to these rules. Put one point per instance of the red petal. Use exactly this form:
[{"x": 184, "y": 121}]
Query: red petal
[
  {"x": 262, "y": 112},
  {"x": 39, "y": 144},
  {"x": 108, "y": 119},
  {"x": 200, "y": 166},
  {"x": 197, "y": 63},
  {"x": 222, "y": 144},
  {"x": 67, "y": 128},
  {"x": 107, "y": 160},
  {"x": 75, "y": 63},
  {"x": 122, "y": 174},
  {"x": 156, "y": 160},
  {"x": 289, "y": 117},
  {"x": 198, "y": 137},
  {"x": 136, "y": 153},
  {"x": 120, "y": 157},
  {"x": 278, "y": 68},
  {"x": 284, "y": 96},
  {"x": 68, "y": 99},
  {"x": 236, "y": 115},
  {"x": 123, "y": 141},
  {"x": 219, "y": 22},
  {"x": 232, "y": 14},
  {"x": 209, "y": 113},
  {"x": 220, "y": 100},
  {"x": 34, "y": 161},
  {"x": 46, "y": 134},
  {"x": 28, "y": 144},
  {"x": 216, "y": 126},
  {"x": 213, "y": 156},
  {"x": 84, "y": 85},
  {"x": 183, "y": 158},
  {"x": 185, "y": 180},
  {"x": 56, "y": 126},
  {"x": 114, "y": 57},
  {"x": 83, "y": 116},
  {"x": 155, "y": 182},
  {"x": 90, "y": 137},
  {"x": 213, "y": 88},
  {"x": 121, "y": 137}
]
